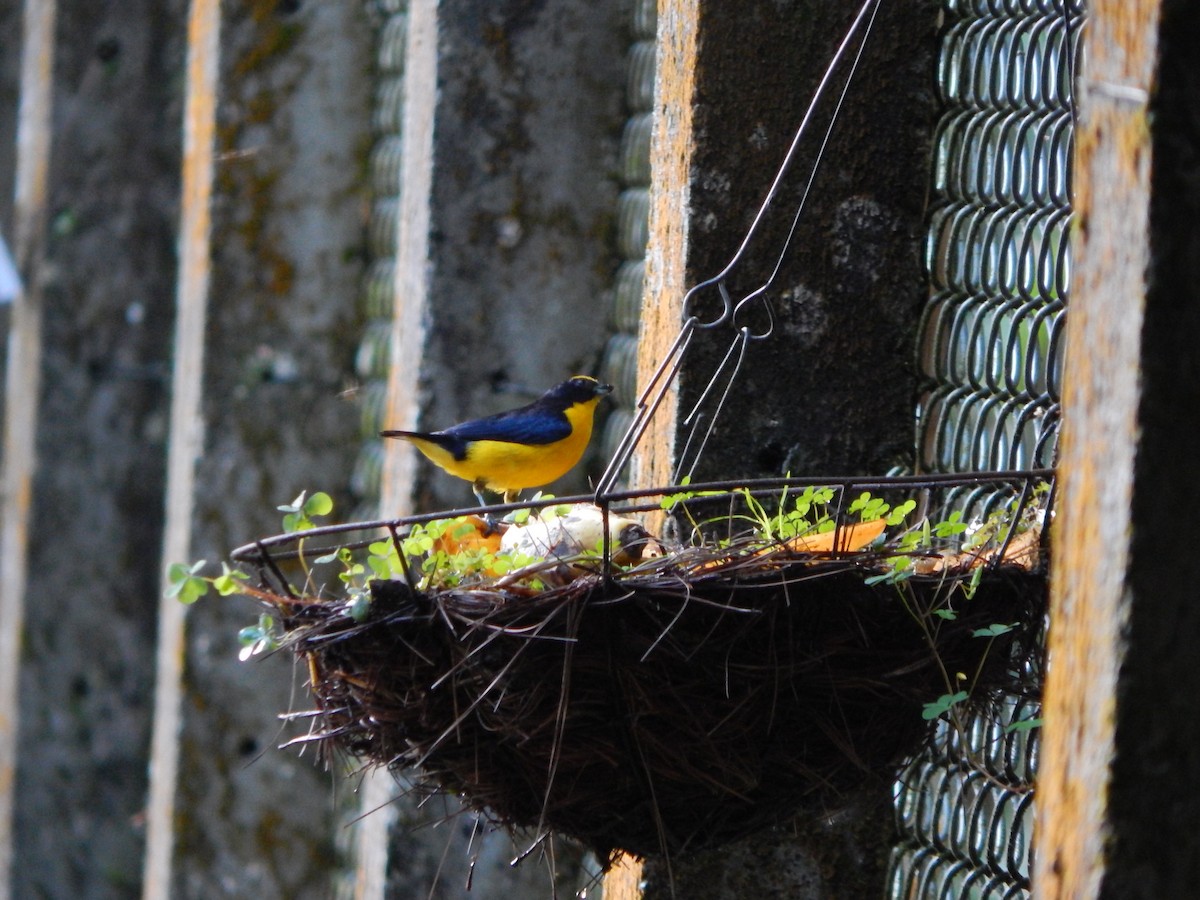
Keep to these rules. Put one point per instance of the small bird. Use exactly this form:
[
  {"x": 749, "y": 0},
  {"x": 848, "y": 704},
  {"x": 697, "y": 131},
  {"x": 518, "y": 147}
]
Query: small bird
[{"x": 522, "y": 448}]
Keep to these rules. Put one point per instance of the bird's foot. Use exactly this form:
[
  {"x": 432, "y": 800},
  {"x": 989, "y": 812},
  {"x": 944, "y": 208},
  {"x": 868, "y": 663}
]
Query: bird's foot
[{"x": 490, "y": 523}]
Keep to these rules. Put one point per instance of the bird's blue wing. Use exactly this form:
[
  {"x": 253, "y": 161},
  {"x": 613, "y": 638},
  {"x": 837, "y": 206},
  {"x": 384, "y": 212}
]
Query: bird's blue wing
[{"x": 520, "y": 426}]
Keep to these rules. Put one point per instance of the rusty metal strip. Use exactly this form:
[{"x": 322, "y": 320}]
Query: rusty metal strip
[
  {"x": 34, "y": 124},
  {"x": 671, "y": 148},
  {"x": 410, "y": 297},
  {"x": 186, "y": 428},
  {"x": 1090, "y": 600}
]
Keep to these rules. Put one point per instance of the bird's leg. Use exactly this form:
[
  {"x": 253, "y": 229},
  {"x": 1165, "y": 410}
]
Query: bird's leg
[
  {"x": 478, "y": 488},
  {"x": 509, "y": 497},
  {"x": 490, "y": 524}
]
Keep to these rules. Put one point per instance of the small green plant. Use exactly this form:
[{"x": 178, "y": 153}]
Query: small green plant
[
  {"x": 462, "y": 554},
  {"x": 670, "y": 501},
  {"x": 1023, "y": 725},
  {"x": 298, "y": 515},
  {"x": 872, "y": 509},
  {"x": 976, "y": 544},
  {"x": 447, "y": 553},
  {"x": 943, "y": 704},
  {"x": 441, "y": 554},
  {"x": 445, "y": 557},
  {"x": 809, "y": 513},
  {"x": 951, "y": 526},
  {"x": 812, "y": 511},
  {"x": 186, "y": 584},
  {"x": 1004, "y": 524},
  {"x": 262, "y": 637},
  {"x": 992, "y": 631},
  {"x": 384, "y": 560}
]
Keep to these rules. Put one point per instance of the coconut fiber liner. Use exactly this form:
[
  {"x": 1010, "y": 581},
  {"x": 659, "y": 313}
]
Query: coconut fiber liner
[{"x": 670, "y": 708}]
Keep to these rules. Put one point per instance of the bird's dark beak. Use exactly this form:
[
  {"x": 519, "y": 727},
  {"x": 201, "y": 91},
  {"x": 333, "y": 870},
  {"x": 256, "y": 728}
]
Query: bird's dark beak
[{"x": 602, "y": 389}]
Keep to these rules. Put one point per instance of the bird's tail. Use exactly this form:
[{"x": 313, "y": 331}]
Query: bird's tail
[{"x": 424, "y": 439}]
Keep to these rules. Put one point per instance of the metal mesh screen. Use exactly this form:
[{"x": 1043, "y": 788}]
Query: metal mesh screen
[
  {"x": 619, "y": 367},
  {"x": 990, "y": 354},
  {"x": 374, "y": 350},
  {"x": 997, "y": 256}
]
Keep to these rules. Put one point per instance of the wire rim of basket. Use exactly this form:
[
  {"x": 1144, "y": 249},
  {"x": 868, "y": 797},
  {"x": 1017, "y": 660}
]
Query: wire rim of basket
[{"x": 1017, "y": 486}]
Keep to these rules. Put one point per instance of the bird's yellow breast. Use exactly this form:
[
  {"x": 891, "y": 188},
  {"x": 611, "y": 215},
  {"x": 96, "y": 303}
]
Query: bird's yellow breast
[{"x": 505, "y": 466}]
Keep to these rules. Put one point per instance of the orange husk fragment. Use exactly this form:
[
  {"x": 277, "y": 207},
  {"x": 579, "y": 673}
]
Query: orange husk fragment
[
  {"x": 846, "y": 539},
  {"x": 456, "y": 539}
]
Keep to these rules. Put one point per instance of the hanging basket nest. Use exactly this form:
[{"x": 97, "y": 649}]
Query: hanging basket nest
[{"x": 670, "y": 703}]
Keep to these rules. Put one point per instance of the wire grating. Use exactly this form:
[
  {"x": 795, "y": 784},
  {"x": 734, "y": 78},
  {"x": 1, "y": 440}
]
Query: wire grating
[
  {"x": 998, "y": 249},
  {"x": 373, "y": 357},
  {"x": 990, "y": 353},
  {"x": 619, "y": 366}
]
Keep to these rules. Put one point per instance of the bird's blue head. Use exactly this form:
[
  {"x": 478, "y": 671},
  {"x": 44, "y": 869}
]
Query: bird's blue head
[{"x": 580, "y": 389}]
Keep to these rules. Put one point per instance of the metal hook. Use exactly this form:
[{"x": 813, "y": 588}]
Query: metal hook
[
  {"x": 871, "y": 6},
  {"x": 740, "y": 342},
  {"x": 647, "y": 405},
  {"x": 664, "y": 375},
  {"x": 690, "y": 298}
]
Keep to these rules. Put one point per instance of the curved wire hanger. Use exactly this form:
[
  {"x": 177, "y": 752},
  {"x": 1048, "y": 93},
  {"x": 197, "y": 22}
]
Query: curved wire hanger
[{"x": 731, "y": 310}]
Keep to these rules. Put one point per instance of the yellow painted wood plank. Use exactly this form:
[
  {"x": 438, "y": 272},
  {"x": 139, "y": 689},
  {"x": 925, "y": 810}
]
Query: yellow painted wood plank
[
  {"x": 671, "y": 150},
  {"x": 1100, "y": 401},
  {"x": 412, "y": 252},
  {"x": 186, "y": 431},
  {"x": 624, "y": 880},
  {"x": 410, "y": 302}
]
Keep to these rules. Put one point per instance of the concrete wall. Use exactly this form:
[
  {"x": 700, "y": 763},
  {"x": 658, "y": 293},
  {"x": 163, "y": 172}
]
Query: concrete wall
[
  {"x": 286, "y": 257},
  {"x": 522, "y": 188},
  {"x": 285, "y": 269},
  {"x": 107, "y": 284},
  {"x": 506, "y": 253},
  {"x": 523, "y": 256}
]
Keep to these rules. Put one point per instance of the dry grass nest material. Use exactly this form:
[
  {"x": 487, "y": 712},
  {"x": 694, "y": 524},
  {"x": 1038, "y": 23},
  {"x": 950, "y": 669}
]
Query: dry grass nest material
[{"x": 675, "y": 705}]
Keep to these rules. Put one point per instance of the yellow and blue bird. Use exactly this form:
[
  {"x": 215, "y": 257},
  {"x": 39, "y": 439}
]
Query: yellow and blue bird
[{"x": 518, "y": 449}]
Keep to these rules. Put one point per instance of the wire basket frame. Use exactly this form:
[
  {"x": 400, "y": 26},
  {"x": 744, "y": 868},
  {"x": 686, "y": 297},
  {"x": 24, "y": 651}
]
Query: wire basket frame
[
  {"x": 981, "y": 492},
  {"x": 671, "y": 703}
]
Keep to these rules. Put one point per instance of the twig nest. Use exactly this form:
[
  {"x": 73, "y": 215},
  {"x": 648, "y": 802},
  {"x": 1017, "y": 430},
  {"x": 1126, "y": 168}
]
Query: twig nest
[
  {"x": 653, "y": 701},
  {"x": 663, "y": 710}
]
